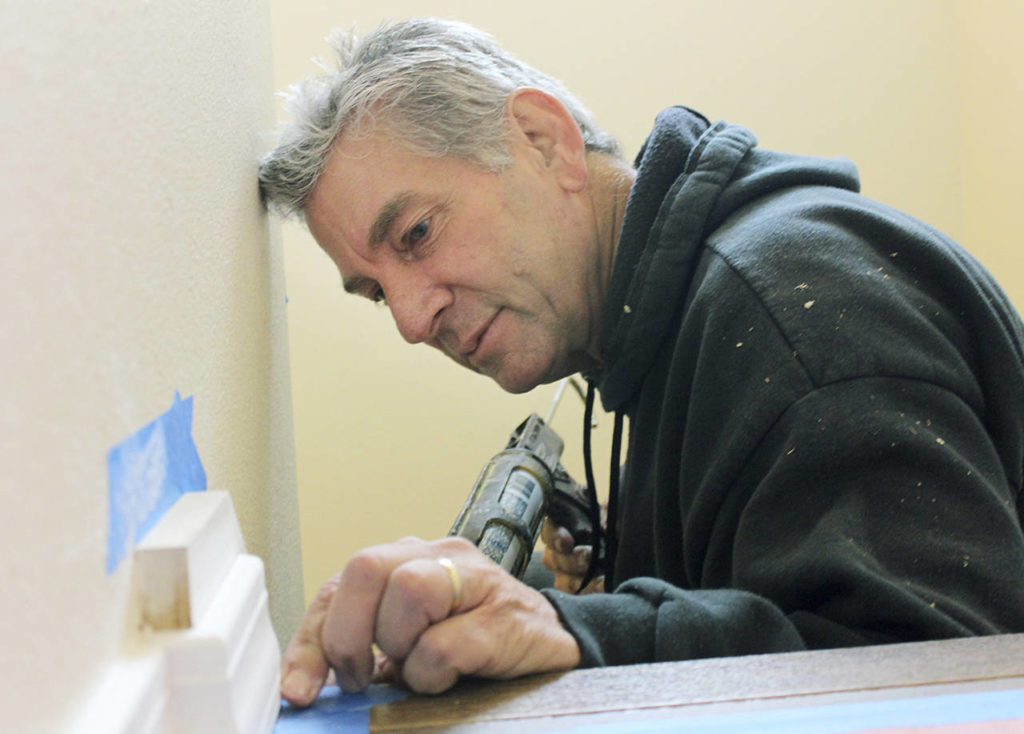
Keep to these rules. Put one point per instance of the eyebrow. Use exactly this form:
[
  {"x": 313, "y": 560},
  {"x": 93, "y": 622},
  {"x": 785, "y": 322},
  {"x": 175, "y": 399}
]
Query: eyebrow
[
  {"x": 383, "y": 223},
  {"x": 387, "y": 216}
]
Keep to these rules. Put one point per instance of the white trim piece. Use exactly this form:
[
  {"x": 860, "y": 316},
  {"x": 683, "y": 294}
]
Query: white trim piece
[{"x": 201, "y": 655}]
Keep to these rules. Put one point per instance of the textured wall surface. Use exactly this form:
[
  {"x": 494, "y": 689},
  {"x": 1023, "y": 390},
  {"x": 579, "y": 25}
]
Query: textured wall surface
[{"x": 135, "y": 262}]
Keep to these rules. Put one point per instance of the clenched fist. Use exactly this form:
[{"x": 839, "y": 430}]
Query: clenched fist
[{"x": 427, "y": 612}]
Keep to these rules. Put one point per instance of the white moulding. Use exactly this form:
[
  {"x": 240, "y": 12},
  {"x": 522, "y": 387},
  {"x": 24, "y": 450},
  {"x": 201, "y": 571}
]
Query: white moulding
[
  {"x": 179, "y": 565},
  {"x": 204, "y": 658}
]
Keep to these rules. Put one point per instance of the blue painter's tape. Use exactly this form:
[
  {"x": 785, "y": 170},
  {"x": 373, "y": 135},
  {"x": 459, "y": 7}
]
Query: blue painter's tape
[
  {"x": 335, "y": 712},
  {"x": 146, "y": 473}
]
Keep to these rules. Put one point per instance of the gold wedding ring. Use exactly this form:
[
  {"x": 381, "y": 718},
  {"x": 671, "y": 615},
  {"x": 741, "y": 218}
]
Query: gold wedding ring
[{"x": 455, "y": 579}]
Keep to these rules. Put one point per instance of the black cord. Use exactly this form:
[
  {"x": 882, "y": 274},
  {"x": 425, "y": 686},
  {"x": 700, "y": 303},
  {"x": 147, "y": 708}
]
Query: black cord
[
  {"x": 595, "y": 506},
  {"x": 612, "y": 531}
]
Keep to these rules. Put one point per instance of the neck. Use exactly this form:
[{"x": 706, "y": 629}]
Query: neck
[
  {"x": 615, "y": 178},
  {"x": 611, "y": 180}
]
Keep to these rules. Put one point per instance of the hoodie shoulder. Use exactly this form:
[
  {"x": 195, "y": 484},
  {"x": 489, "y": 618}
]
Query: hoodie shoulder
[{"x": 691, "y": 176}]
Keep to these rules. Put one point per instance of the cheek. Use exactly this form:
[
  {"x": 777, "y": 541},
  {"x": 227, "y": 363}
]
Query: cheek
[{"x": 503, "y": 256}]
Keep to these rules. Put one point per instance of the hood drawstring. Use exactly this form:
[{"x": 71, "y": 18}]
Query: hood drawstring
[
  {"x": 608, "y": 536},
  {"x": 612, "y": 531}
]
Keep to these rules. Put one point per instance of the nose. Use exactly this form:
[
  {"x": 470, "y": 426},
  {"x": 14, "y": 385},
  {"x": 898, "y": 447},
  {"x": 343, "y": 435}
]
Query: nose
[{"x": 417, "y": 306}]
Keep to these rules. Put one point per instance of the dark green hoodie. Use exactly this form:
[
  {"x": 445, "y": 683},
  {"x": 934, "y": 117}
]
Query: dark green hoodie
[{"x": 826, "y": 408}]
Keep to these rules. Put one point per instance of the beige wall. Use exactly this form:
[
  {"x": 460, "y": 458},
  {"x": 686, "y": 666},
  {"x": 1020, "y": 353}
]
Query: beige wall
[
  {"x": 923, "y": 94},
  {"x": 991, "y": 77},
  {"x": 135, "y": 261}
]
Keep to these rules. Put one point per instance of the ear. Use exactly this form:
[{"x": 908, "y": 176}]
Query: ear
[{"x": 549, "y": 134}]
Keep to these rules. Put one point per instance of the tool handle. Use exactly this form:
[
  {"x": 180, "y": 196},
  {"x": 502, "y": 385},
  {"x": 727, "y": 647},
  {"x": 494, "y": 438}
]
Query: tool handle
[{"x": 568, "y": 507}]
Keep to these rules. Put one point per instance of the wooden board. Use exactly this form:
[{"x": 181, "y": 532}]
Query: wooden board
[{"x": 700, "y": 687}]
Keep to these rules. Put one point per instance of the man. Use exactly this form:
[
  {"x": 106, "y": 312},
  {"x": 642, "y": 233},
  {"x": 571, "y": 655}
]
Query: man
[{"x": 826, "y": 396}]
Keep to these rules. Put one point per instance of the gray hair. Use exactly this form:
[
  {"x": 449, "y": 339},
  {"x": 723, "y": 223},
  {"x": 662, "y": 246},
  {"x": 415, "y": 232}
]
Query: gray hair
[{"x": 441, "y": 87}]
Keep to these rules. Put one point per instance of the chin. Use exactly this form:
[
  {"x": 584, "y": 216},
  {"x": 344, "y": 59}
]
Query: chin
[
  {"x": 516, "y": 387},
  {"x": 518, "y": 383},
  {"x": 521, "y": 375}
]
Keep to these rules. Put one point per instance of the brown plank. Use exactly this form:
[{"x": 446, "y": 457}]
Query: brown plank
[{"x": 701, "y": 682}]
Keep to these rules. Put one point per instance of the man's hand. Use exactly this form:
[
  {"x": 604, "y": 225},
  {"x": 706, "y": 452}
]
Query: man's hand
[
  {"x": 429, "y": 625},
  {"x": 569, "y": 562}
]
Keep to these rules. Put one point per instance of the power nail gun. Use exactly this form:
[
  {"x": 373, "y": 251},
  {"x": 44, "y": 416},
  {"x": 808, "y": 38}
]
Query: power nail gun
[{"x": 516, "y": 489}]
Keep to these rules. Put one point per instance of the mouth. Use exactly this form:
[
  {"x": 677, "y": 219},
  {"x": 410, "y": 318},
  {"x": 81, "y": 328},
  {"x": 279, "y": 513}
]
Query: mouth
[{"x": 472, "y": 345}]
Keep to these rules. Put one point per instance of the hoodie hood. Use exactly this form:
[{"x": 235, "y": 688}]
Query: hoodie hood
[{"x": 691, "y": 176}]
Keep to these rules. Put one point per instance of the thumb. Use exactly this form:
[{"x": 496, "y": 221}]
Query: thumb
[{"x": 305, "y": 667}]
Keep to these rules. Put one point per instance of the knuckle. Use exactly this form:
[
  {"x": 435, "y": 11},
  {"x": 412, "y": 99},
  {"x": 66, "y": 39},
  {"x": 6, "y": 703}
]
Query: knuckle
[
  {"x": 455, "y": 545},
  {"x": 363, "y": 567},
  {"x": 433, "y": 655},
  {"x": 369, "y": 564},
  {"x": 580, "y": 557},
  {"x": 410, "y": 584}
]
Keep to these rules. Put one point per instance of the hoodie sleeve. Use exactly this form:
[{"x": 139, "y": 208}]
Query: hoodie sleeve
[
  {"x": 647, "y": 620},
  {"x": 874, "y": 511}
]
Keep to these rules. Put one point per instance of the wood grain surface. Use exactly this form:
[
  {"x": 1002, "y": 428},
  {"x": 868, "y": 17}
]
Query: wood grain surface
[{"x": 558, "y": 702}]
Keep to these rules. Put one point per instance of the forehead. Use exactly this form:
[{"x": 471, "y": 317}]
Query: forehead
[
  {"x": 352, "y": 184},
  {"x": 367, "y": 181}
]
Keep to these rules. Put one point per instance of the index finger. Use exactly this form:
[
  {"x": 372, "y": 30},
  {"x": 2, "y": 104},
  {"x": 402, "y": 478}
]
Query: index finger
[
  {"x": 349, "y": 628},
  {"x": 304, "y": 667}
]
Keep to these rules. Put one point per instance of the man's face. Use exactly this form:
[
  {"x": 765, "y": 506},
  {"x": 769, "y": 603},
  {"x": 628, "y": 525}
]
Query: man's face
[{"x": 493, "y": 269}]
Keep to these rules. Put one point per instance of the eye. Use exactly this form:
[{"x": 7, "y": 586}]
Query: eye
[{"x": 418, "y": 232}]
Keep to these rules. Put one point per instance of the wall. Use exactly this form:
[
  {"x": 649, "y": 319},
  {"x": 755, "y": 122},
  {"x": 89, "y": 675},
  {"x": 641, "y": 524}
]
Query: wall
[
  {"x": 135, "y": 262},
  {"x": 390, "y": 437},
  {"x": 991, "y": 85}
]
